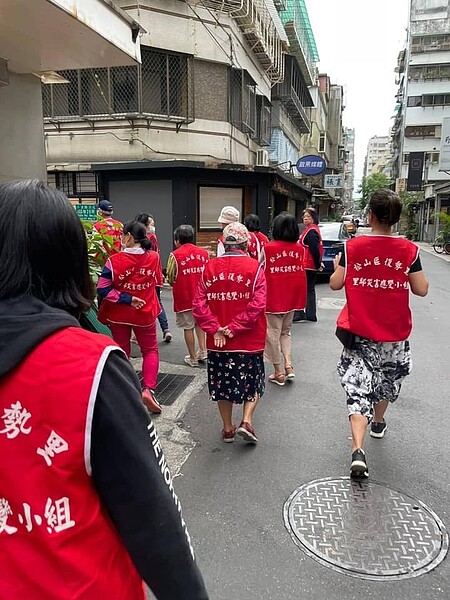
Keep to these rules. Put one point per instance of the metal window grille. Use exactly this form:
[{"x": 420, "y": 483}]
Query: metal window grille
[
  {"x": 162, "y": 86},
  {"x": 263, "y": 112},
  {"x": 243, "y": 101}
]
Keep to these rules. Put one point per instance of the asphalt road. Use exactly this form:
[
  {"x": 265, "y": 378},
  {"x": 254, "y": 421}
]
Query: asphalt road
[{"x": 233, "y": 494}]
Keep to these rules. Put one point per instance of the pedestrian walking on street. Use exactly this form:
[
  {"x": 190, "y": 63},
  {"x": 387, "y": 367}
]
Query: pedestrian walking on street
[
  {"x": 127, "y": 287},
  {"x": 184, "y": 270},
  {"x": 228, "y": 215},
  {"x": 163, "y": 321},
  {"x": 377, "y": 272},
  {"x": 86, "y": 510},
  {"x": 229, "y": 305},
  {"x": 283, "y": 261},
  {"x": 108, "y": 226},
  {"x": 252, "y": 223},
  {"x": 311, "y": 239}
]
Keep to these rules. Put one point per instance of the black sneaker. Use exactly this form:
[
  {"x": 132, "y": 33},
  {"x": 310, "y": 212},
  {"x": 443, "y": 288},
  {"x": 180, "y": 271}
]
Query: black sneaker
[
  {"x": 377, "y": 430},
  {"x": 359, "y": 468}
]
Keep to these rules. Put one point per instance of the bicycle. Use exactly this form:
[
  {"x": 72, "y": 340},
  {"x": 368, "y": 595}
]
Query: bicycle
[{"x": 439, "y": 243}]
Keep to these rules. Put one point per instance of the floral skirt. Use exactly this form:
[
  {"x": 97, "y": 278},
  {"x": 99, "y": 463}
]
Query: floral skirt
[{"x": 234, "y": 376}]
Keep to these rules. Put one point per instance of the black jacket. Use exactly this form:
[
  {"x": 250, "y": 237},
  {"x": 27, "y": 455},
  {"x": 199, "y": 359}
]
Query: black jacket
[{"x": 125, "y": 469}]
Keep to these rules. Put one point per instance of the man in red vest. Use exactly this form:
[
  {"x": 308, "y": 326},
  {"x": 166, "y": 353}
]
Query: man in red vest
[
  {"x": 106, "y": 225},
  {"x": 230, "y": 214},
  {"x": 184, "y": 270}
]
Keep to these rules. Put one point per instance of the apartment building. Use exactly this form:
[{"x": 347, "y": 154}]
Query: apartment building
[
  {"x": 349, "y": 167},
  {"x": 55, "y": 35},
  {"x": 189, "y": 130},
  {"x": 423, "y": 102},
  {"x": 378, "y": 155}
]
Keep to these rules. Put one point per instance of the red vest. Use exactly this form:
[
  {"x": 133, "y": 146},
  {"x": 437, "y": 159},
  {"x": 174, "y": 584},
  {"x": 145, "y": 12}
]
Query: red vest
[
  {"x": 286, "y": 277},
  {"x": 113, "y": 228},
  {"x": 230, "y": 282},
  {"x": 377, "y": 288},
  {"x": 137, "y": 275},
  {"x": 154, "y": 242},
  {"x": 56, "y": 540},
  {"x": 263, "y": 239},
  {"x": 309, "y": 262},
  {"x": 191, "y": 261}
]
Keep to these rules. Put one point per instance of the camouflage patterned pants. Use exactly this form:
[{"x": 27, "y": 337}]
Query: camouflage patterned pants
[{"x": 372, "y": 372}]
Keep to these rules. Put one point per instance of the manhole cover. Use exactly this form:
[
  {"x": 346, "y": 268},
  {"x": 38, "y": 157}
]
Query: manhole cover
[
  {"x": 365, "y": 529},
  {"x": 331, "y": 303},
  {"x": 169, "y": 386}
]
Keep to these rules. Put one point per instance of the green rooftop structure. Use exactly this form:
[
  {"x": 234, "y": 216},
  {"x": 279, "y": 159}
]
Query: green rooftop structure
[{"x": 298, "y": 28}]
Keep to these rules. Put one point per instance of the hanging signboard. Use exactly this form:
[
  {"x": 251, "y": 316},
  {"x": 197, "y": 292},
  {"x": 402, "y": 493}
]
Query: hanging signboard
[
  {"x": 444, "y": 155},
  {"x": 333, "y": 181},
  {"x": 311, "y": 165},
  {"x": 415, "y": 171},
  {"x": 86, "y": 212}
]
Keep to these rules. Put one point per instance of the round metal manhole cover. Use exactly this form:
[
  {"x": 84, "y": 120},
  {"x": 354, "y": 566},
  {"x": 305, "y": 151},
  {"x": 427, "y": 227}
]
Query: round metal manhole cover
[
  {"x": 365, "y": 529},
  {"x": 331, "y": 303}
]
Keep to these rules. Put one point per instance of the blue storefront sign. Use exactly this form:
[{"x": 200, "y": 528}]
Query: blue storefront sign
[{"x": 311, "y": 165}]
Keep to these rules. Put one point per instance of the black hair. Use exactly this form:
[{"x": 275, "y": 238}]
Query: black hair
[
  {"x": 386, "y": 206},
  {"x": 143, "y": 218},
  {"x": 139, "y": 233},
  {"x": 252, "y": 222},
  {"x": 313, "y": 214},
  {"x": 184, "y": 234},
  {"x": 285, "y": 228},
  {"x": 43, "y": 249}
]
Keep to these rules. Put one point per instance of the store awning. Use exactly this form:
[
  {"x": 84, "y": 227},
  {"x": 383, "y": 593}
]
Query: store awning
[{"x": 52, "y": 35}]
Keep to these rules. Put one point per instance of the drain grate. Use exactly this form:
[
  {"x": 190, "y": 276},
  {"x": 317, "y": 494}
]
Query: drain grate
[
  {"x": 169, "y": 386},
  {"x": 365, "y": 529}
]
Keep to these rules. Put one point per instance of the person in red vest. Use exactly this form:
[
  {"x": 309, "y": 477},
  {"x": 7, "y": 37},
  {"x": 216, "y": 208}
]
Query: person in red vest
[
  {"x": 377, "y": 272},
  {"x": 311, "y": 239},
  {"x": 106, "y": 225},
  {"x": 252, "y": 223},
  {"x": 127, "y": 287},
  {"x": 228, "y": 215},
  {"x": 286, "y": 292},
  {"x": 87, "y": 504},
  {"x": 149, "y": 223},
  {"x": 229, "y": 305},
  {"x": 184, "y": 270}
]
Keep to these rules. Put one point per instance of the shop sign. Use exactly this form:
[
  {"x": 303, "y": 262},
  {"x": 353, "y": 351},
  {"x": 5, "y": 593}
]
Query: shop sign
[
  {"x": 86, "y": 212},
  {"x": 311, "y": 165},
  {"x": 333, "y": 181}
]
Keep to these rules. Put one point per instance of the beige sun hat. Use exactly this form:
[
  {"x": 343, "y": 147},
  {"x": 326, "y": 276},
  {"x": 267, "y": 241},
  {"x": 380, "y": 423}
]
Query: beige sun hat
[
  {"x": 228, "y": 214},
  {"x": 235, "y": 233}
]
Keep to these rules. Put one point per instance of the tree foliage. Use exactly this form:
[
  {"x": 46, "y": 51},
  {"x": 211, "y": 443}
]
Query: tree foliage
[
  {"x": 97, "y": 243},
  {"x": 370, "y": 185}
]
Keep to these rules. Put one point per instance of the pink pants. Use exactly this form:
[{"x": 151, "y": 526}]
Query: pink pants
[{"x": 148, "y": 343}]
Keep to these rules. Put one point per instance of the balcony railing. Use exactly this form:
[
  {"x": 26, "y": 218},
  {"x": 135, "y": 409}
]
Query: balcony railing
[
  {"x": 258, "y": 26},
  {"x": 294, "y": 95}
]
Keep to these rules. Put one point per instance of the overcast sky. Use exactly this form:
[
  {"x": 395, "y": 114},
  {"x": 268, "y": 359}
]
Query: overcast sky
[{"x": 358, "y": 43}]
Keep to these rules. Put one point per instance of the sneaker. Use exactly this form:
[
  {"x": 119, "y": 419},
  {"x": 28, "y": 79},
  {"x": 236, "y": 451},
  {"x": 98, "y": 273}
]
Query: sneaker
[
  {"x": 246, "y": 431},
  {"x": 192, "y": 362},
  {"x": 228, "y": 436},
  {"x": 299, "y": 316},
  {"x": 359, "y": 468},
  {"x": 202, "y": 355},
  {"x": 377, "y": 430},
  {"x": 150, "y": 401},
  {"x": 167, "y": 336}
]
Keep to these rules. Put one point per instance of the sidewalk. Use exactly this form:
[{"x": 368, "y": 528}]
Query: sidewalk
[{"x": 429, "y": 249}]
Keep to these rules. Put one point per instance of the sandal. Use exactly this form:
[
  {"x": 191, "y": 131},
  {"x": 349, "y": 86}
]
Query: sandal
[
  {"x": 277, "y": 378},
  {"x": 289, "y": 372}
]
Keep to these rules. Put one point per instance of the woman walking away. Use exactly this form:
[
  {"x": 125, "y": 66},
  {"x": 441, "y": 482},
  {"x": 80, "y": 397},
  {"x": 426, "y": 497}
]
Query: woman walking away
[
  {"x": 311, "y": 239},
  {"x": 377, "y": 271},
  {"x": 86, "y": 509},
  {"x": 229, "y": 305},
  {"x": 286, "y": 292},
  {"x": 127, "y": 287},
  {"x": 149, "y": 223},
  {"x": 252, "y": 223}
]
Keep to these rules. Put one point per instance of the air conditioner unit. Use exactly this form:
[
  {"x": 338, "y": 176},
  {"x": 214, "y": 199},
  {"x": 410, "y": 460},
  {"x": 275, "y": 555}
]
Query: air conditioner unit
[
  {"x": 4, "y": 79},
  {"x": 262, "y": 158}
]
